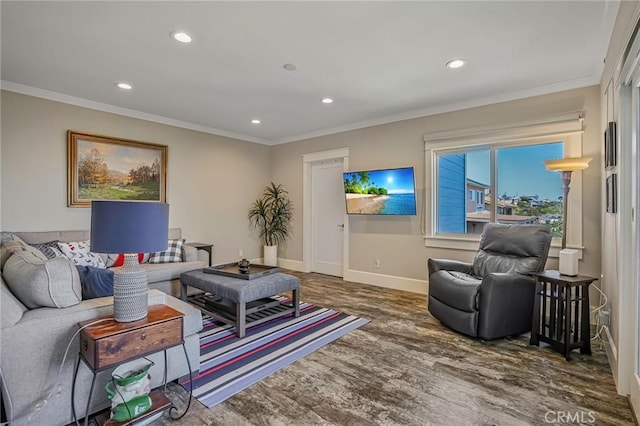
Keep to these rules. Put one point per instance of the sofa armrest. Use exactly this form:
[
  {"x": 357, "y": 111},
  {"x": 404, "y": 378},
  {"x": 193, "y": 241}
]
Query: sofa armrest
[
  {"x": 32, "y": 351},
  {"x": 506, "y": 305},
  {"x": 189, "y": 254},
  {"x": 192, "y": 316},
  {"x": 435, "y": 265}
]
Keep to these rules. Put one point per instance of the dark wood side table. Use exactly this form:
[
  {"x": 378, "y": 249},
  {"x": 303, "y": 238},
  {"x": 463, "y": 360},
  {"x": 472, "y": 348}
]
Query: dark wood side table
[
  {"x": 107, "y": 344},
  {"x": 203, "y": 246},
  {"x": 566, "y": 299}
]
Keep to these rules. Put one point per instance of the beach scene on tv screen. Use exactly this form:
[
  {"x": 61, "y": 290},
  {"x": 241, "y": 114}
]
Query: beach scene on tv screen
[{"x": 380, "y": 192}]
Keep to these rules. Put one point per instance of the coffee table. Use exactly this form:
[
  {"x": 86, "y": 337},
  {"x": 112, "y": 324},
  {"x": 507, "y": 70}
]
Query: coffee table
[{"x": 238, "y": 294}]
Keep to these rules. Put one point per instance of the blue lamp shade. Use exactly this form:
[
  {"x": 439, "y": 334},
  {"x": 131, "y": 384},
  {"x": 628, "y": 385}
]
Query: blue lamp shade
[{"x": 129, "y": 227}]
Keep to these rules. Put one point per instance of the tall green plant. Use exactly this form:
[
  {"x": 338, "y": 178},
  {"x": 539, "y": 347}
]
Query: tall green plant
[{"x": 271, "y": 214}]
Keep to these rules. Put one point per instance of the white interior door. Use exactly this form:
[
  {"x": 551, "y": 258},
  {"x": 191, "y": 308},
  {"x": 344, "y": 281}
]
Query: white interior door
[
  {"x": 634, "y": 394},
  {"x": 327, "y": 217}
]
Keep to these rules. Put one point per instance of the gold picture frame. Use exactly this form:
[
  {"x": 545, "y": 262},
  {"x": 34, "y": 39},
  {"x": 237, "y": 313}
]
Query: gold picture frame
[{"x": 107, "y": 168}]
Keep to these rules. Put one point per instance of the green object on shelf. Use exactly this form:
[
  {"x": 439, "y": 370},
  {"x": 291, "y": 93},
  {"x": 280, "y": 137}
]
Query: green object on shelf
[
  {"x": 130, "y": 409},
  {"x": 129, "y": 390}
]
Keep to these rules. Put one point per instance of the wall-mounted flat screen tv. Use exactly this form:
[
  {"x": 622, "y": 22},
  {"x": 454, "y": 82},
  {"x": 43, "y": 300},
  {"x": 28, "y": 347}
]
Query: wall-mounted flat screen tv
[{"x": 387, "y": 192}]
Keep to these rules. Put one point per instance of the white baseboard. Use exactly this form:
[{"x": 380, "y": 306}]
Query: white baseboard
[
  {"x": 388, "y": 281},
  {"x": 380, "y": 280},
  {"x": 294, "y": 265},
  {"x": 612, "y": 353}
]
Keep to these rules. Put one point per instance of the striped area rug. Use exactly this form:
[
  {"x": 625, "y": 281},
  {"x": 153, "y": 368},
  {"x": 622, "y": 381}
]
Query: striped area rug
[{"x": 229, "y": 365}]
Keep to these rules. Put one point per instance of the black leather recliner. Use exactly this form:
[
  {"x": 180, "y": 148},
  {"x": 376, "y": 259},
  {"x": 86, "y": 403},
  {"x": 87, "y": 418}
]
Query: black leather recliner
[{"x": 492, "y": 297}]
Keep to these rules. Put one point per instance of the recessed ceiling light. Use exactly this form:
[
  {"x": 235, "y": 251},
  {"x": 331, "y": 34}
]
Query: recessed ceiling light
[
  {"x": 124, "y": 86},
  {"x": 327, "y": 101},
  {"x": 456, "y": 63},
  {"x": 290, "y": 67},
  {"x": 181, "y": 36},
  {"x": 255, "y": 121}
]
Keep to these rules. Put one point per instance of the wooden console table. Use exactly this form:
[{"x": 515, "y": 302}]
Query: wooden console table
[
  {"x": 105, "y": 344},
  {"x": 566, "y": 299}
]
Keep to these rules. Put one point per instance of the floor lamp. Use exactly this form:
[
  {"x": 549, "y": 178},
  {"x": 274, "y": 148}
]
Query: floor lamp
[
  {"x": 129, "y": 227},
  {"x": 566, "y": 166}
]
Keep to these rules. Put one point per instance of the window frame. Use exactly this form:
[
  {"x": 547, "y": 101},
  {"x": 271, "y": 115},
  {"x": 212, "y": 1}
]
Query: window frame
[{"x": 566, "y": 129}]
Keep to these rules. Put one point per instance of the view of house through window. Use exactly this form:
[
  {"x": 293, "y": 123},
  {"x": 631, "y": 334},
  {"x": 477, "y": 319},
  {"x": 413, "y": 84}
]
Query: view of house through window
[{"x": 526, "y": 191}]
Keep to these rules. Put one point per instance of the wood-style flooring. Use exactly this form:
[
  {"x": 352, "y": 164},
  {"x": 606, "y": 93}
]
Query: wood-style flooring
[{"x": 405, "y": 368}]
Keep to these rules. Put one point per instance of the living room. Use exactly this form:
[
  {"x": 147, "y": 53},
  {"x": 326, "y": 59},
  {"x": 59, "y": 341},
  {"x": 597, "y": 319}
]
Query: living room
[{"x": 212, "y": 179}]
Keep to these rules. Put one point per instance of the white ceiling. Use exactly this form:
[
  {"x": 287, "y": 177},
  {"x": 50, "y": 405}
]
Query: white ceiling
[{"x": 380, "y": 61}]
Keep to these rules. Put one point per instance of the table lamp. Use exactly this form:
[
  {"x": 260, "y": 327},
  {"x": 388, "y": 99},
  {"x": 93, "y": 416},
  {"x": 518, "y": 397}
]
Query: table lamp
[
  {"x": 129, "y": 227},
  {"x": 568, "y": 257}
]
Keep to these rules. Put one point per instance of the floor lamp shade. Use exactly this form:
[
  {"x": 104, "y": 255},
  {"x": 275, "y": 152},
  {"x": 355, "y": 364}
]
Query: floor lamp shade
[{"x": 130, "y": 228}]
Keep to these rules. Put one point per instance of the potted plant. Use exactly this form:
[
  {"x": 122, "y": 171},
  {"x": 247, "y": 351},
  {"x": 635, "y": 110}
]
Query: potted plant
[{"x": 271, "y": 214}]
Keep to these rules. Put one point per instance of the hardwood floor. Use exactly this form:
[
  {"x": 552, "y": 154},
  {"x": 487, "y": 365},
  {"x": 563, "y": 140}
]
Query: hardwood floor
[{"x": 405, "y": 368}]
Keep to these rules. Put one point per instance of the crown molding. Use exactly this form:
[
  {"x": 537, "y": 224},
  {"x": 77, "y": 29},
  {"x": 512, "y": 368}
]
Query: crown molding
[
  {"x": 408, "y": 115},
  {"x": 86, "y": 103},
  {"x": 456, "y": 106}
]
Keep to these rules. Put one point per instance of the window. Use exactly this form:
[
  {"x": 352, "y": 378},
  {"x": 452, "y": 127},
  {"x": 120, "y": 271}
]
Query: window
[
  {"x": 528, "y": 193},
  {"x": 497, "y": 176}
]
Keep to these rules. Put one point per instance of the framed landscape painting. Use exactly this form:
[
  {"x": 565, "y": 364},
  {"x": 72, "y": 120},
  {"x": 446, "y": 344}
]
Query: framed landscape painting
[{"x": 106, "y": 168}]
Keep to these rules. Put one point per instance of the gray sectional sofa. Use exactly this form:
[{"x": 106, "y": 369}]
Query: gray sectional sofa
[{"x": 36, "y": 388}]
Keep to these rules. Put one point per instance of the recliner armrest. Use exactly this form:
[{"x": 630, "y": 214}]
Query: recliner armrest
[
  {"x": 505, "y": 305},
  {"x": 498, "y": 283},
  {"x": 435, "y": 265}
]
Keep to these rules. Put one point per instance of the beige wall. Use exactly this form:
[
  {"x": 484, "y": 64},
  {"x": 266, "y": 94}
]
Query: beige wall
[
  {"x": 211, "y": 179},
  {"x": 397, "y": 241}
]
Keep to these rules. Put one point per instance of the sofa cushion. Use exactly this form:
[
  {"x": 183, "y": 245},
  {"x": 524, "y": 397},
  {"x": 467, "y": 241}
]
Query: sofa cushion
[
  {"x": 96, "y": 282},
  {"x": 80, "y": 254},
  {"x": 5, "y": 237},
  {"x": 38, "y": 282},
  {"x": 5, "y": 252},
  {"x": 169, "y": 271},
  {"x": 49, "y": 249},
  {"x": 173, "y": 253},
  {"x": 11, "y": 309}
]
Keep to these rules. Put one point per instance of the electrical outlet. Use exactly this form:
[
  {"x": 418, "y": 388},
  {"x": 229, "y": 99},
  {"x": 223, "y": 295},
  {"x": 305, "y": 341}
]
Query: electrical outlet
[
  {"x": 376, "y": 263},
  {"x": 240, "y": 253}
]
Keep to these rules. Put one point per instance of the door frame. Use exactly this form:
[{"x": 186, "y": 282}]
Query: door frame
[
  {"x": 307, "y": 244},
  {"x": 628, "y": 371}
]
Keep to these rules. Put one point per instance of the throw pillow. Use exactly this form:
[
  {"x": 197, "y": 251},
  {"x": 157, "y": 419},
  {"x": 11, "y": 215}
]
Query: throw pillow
[
  {"x": 173, "y": 253},
  {"x": 32, "y": 253},
  {"x": 119, "y": 260},
  {"x": 40, "y": 282},
  {"x": 79, "y": 253},
  {"x": 112, "y": 259},
  {"x": 49, "y": 249},
  {"x": 5, "y": 253},
  {"x": 96, "y": 282}
]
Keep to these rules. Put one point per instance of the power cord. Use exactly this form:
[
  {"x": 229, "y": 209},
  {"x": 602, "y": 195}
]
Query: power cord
[{"x": 599, "y": 327}]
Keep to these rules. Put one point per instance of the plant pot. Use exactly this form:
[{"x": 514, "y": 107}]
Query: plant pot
[{"x": 271, "y": 255}]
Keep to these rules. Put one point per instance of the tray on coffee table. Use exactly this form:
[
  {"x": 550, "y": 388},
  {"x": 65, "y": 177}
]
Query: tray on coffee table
[{"x": 232, "y": 270}]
